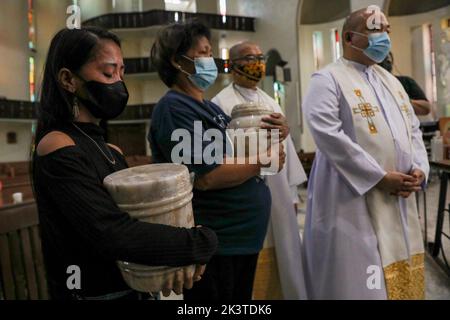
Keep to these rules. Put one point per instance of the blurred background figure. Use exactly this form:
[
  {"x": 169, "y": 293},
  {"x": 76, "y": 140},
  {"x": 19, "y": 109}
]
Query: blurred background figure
[{"x": 419, "y": 101}]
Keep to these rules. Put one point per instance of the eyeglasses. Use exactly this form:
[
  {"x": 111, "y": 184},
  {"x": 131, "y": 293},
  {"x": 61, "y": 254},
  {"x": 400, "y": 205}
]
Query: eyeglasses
[{"x": 252, "y": 58}]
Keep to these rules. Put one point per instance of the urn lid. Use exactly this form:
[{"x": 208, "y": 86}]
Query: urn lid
[
  {"x": 149, "y": 183},
  {"x": 250, "y": 109}
]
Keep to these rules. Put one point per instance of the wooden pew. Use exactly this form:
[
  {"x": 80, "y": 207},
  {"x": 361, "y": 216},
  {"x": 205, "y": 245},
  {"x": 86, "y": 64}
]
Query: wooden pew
[
  {"x": 14, "y": 169},
  {"x": 9, "y": 189},
  {"x": 22, "y": 271},
  {"x": 14, "y": 177}
]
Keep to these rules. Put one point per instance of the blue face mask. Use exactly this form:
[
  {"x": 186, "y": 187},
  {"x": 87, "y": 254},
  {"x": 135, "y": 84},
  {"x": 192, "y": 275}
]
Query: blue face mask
[
  {"x": 379, "y": 46},
  {"x": 205, "y": 72}
]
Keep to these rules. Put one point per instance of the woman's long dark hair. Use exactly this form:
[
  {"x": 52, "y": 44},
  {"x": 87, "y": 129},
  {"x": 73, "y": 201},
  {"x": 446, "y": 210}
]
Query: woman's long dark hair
[{"x": 69, "y": 49}]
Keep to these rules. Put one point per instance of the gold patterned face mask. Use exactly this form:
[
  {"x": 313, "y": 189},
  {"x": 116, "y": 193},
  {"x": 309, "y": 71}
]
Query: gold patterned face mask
[{"x": 254, "y": 71}]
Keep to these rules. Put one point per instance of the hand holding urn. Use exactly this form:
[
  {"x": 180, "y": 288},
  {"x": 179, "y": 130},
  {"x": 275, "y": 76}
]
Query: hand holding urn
[{"x": 276, "y": 121}]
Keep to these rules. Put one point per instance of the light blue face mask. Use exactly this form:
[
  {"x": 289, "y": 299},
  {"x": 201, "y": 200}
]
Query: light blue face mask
[
  {"x": 379, "y": 46},
  {"x": 205, "y": 72}
]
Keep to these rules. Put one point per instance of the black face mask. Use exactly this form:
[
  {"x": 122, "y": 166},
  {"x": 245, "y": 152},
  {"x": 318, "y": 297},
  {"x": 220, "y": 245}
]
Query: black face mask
[{"x": 105, "y": 101}]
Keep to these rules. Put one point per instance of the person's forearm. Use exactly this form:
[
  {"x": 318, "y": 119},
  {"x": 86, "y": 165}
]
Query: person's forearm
[
  {"x": 227, "y": 176},
  {"x": 156, "y": 244},
  {"x": 421, "y": 107}
]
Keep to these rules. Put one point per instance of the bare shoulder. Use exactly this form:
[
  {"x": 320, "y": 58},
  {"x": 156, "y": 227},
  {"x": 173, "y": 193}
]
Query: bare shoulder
[
  {"x": 53, "y": 141},
  {"x": 115, "y": 148}
]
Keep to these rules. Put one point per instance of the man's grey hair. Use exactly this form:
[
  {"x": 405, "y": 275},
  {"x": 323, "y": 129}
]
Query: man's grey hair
[{"x": 236, "y": 50}]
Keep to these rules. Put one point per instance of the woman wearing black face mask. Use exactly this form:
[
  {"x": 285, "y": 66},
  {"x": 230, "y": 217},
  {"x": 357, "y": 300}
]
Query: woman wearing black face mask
[{"x": 80, "y": 223}]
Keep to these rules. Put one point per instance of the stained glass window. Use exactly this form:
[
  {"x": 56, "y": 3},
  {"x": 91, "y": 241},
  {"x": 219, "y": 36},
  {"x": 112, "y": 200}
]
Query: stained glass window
[
  {"x": 223, "y": 10},
  {"x": 317, "y": 49},
  {"x": 31, "y": 26},
  {"x": 335, "y": 44},
  {"x": 31, "y": 79},
  {"x": 32, "y": 46}
]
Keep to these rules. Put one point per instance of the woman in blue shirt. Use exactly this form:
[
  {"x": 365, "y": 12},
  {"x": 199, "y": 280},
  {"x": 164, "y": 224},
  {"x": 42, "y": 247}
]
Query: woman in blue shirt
[{"x": 231, "y": 199}]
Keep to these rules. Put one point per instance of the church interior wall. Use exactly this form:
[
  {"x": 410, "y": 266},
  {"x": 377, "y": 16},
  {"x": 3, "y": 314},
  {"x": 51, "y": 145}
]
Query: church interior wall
[
  {"x": 20, "y": 149},
  {"x": 14, "y": 50},
  {"x": 277, "y": 27}
]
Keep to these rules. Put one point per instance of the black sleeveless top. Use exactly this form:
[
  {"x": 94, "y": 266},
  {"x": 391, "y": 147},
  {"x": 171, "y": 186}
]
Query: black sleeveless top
[{"x": 82, "y": 226}]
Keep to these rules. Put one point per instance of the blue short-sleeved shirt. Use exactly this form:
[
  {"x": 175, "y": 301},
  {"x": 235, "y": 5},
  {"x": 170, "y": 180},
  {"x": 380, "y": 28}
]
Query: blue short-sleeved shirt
[{"x": 239, "y": 215}]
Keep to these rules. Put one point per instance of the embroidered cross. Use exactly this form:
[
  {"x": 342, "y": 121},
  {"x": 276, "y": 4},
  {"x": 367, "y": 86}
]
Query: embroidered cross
[
  {"x": 405, "y": 109},
  {"x": 367, "y": 111}
]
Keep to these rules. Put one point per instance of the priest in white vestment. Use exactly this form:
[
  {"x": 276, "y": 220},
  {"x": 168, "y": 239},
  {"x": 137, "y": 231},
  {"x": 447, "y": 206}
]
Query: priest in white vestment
[
  {"x": 362, "y": 235},
  {"x": 248, "y": 68}
]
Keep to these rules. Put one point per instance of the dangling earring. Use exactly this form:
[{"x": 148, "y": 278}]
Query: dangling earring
[{"x": 75, "y": 108}]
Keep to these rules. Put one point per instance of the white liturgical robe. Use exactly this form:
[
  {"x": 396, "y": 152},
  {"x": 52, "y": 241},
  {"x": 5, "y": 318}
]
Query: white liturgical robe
[
  {"x": 350, "y": 250},
  {"x": 283, "y": 227}
]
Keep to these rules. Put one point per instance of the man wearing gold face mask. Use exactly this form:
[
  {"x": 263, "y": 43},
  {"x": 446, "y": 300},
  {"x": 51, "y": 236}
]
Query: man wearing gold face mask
[{"x": 248, "y": 68}]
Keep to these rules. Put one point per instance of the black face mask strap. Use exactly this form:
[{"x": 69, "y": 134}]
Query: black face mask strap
[
  {"x": 86, "y": 90},
  {"x": 79, "y": 77}
]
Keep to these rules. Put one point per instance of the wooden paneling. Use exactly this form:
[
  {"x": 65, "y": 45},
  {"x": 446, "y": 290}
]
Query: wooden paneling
[
  {"x": 131, "y": 138},
  {"x": 22, "y": 272}
]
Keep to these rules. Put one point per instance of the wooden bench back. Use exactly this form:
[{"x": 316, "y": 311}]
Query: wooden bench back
[
  {"x": 13, "y": 169},
  {"x": 22, "y": 271}
]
